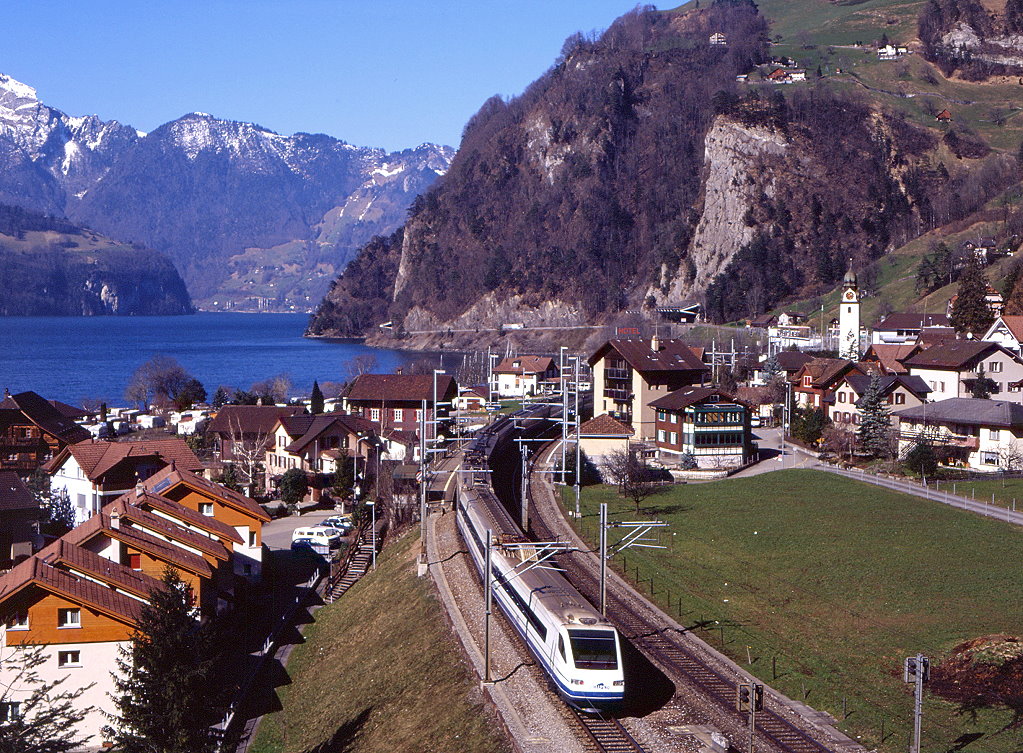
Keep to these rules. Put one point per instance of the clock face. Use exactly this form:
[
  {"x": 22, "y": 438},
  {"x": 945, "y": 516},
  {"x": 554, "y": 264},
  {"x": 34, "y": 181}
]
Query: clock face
[{"x": 850, "y": 295}]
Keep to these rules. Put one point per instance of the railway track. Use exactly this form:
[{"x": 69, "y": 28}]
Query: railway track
[
  {"x": 607, "y": 734},
  {"x": 660, "y": 643}
]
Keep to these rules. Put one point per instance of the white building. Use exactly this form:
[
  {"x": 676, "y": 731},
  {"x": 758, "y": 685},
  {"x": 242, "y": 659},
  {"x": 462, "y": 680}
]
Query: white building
[
  {"x": 849, "y": 319},
  {"x": 984, "y": 435},
  {"x": 523, "y": 375}
]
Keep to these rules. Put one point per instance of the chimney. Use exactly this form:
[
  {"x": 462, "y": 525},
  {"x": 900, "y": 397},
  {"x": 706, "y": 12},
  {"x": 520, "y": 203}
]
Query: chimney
[
  {"x": 115, "y": 520},
  {"x": 655, "y": 343},
  {"x": 139, "y": 489},
  {"x": 7, "y": 392},
  {"x": 174, "y": 465}
]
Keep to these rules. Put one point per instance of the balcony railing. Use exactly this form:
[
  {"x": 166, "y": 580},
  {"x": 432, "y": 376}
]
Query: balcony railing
[
  {"x": 623, "y": 395},
  {"x": 618, "y": 374}
]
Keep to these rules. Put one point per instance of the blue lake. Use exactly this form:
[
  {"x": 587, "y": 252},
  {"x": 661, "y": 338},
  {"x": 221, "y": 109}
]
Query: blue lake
[{"x": 71, "y": 358}]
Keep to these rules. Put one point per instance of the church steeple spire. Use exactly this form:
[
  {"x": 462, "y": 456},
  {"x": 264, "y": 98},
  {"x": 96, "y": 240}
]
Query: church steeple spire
[{"x": 849, "y": 317}]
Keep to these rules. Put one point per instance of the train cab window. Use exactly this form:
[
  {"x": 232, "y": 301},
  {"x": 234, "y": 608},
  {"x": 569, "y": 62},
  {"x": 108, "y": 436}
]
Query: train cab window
[
  {"x": 561, "y": 647},
  {"x": 594, "y": 649}
]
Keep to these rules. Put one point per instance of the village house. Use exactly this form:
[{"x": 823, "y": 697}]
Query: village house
[
  {"x": 717, "y": 38},
  {"x": 814, "y": 384},
  {"x": 903, "y": 327},
  {"x": 603, "y": 435},
  {"x": 788, "y": 361},
  {"x": 472, "y": 399},
  {"x": 32, "y": 431},
  {"x": 706, "y": 423},
  {"x": 521, "y": 376},
  {"x": 19, "y": 520},
  {"x": 318, "y": 444},
  {"x": 891, "y": 52},
  {"x": 944, "y": 117},
  {"x": 983, "y": 435},
  {"x": 950, "y": 369},
  {"x": 238, "y": 431},
  {"x": 396, "y": 401},
  {"x": 629, "y": 374},
  {"x": 1007, "y": 331},
  {"x": 79, "y": 624},
  {"x": 897, "y": 391},
  {"x": 992, "y": 298},
  {"x": 95, "y": 471},
  {"x": 888, "y": 357},
  {"x": 224, "y": 505}
]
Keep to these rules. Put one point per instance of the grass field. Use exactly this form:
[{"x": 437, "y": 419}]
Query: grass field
[
  {"x": 380, "y": 671},
  {"x": 1006, "y": 493},
  {"x": 828, "y": 584}
]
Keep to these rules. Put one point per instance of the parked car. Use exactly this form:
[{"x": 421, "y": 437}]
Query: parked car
[
  {"x": 323, "y": 535},
  {"x": 342, "y": 523},
  {"x": 306, "y": 544}
]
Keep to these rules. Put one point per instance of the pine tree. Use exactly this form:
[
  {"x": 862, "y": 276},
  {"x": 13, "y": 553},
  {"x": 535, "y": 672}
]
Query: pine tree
[
  {"x": 970, "y": 312},
  {"x": 982, "y": 386},
  {"x": 220, "y": 397},
  {"x": 875, "y": 425},
  {"x": 316, "y": 399},
  {"x": 47, "y": 717},
  {"x": 166, "y": 692}
]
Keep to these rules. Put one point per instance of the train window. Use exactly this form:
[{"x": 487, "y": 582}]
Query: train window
[
  {"x": 561, "y": 647},
  {"x": 594, "y": 649}
]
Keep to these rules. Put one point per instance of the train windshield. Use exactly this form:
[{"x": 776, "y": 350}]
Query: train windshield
[{"x": 594, "y": 649}]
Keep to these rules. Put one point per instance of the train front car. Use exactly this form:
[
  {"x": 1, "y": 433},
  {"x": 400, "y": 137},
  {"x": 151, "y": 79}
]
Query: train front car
[{"x": 588, "y": 667}]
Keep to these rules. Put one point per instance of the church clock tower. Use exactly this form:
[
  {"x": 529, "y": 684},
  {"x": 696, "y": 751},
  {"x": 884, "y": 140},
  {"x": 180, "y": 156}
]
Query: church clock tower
[{"x": 849, "y": 319}]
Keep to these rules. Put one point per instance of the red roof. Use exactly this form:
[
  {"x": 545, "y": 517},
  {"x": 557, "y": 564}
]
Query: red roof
[
  {"x": 188, "y": 517},
  {"x": 687, "y": 396},
  {"x": 14, "y": 495},
  {"x": 162, "y": 527},
  {"x": 249, "y": 420},
  {"x": 44, "y": 415},
  {"x": 401, "y": 388},
  {"x": 72, "y": 557},
  {"x": 670, "y": 355},
  {"x": 97, "y": 457},
  {"x": 605, "y": 425},
  {"x": 170, "y": 477},
  {"x": 525, "y": 365}
]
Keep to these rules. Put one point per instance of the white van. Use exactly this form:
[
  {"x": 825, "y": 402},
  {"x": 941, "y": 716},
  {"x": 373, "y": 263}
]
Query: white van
[{"x": 323, "y": 535}]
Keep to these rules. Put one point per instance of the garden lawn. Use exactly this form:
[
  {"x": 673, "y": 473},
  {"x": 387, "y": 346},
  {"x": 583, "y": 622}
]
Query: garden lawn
[
  {"x": 830, "y": 583},
  {"x": 380, "y": 671},
  {"x": 1007, "y": 492}
]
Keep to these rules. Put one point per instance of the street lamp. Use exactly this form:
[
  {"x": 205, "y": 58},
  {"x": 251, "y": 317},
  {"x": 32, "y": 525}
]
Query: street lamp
[{"x": 373, "y": 511}]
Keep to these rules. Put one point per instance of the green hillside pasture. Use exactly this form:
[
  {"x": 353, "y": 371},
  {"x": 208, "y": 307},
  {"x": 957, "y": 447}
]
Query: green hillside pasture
[
  {"x": 380, "y": 671},
  {"x": 829, "y": 584}
]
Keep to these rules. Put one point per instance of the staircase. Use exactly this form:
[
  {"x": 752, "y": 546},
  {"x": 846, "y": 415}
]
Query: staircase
[{"x": 358, "y": 564}]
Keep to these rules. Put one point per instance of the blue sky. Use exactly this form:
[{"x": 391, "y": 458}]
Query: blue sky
[{"x": 374, "y": 73}]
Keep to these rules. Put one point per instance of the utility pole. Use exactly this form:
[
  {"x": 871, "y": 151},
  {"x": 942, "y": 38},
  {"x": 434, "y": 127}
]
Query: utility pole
[
  {"x": 578, "y": 441},
  {"x": 603, "y": 557},
  {"x": 422, "y": 487},
  {"x": 564, "y": 409},
  {"x": 917, "y": 670},
  {"x": 636, "y": 537},
  {"x": 524, "y": 510}
]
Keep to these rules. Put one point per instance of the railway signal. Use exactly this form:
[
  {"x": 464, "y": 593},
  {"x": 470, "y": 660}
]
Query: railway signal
[
  {"x": 749, "y": 697},
  {"x": 917, "y": 670}
]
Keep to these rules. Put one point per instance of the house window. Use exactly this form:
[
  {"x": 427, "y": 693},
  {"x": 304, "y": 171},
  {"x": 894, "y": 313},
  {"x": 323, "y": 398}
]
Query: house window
[
  {"x": 135, "y": 561},
  {"x": 374, "y": 414},
  {"x": 994, "y": 434},
  {"x": 836, "y": 416},
  {"x": 69, "y": 658},
  {"x": 674, "y": 437},
  {"x": 419, "y": 415},
  {"x": 206, "y": 508},
  {"x": 900, "y": 398},
  {"x": 69, "y": 618},
  {"x": 989, "y": 458},
  {"x": 662, "y": 416},
  {"x": 841, "y": 397},
  {"x": 9, "y": 711},
  {"x": 399, "y": 414},
  {"x": 807, "y": 381},
  {"x": 995, "y": 367},
  {"x": 661, "y": 434},
  {"x": 18, "y": 621},
  {"x": 252, "y": 539}
]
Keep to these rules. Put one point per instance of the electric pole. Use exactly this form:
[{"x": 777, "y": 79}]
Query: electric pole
[{"x": 917, "y": 670}]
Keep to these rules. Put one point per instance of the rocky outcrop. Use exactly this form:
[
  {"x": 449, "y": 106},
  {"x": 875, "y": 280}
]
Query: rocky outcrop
[{"x": 735, "y": 177}]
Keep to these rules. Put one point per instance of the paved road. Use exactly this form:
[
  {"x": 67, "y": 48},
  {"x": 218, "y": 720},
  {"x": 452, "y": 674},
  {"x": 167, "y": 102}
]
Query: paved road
[
  {"x": 775, "y": 457},
  {"x": 277, "y": 533}
]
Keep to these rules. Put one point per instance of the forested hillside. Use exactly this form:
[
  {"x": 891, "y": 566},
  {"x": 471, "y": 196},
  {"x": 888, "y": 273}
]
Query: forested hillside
[
  {"x": 637, "y": 170},
  {"x": 52, "y": 267}
]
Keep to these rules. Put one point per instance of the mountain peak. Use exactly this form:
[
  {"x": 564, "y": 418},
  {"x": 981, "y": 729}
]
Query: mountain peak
[{"x": 16, "y": 88}]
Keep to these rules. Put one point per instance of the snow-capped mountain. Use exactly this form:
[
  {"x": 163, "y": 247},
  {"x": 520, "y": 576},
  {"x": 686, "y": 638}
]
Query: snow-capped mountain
[{"x": 206, "y": 190}]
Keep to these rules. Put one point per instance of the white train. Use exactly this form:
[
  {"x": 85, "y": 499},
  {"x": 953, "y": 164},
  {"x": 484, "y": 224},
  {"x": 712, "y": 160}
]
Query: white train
[{"x": 576, "y": 647}]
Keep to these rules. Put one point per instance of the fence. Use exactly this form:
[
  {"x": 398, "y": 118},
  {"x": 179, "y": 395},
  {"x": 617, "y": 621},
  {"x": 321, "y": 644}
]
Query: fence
[
  {"x": 928, "y": 492},
  {"x": 267, "y": 649}
]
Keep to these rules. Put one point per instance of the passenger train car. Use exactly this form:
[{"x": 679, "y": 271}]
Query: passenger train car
[{"x": 577, "y": 648}]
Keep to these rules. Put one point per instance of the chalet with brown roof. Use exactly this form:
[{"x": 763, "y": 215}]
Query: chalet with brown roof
[
  {"x": 95, "y": 472},
  {"x": 520, "y": 376},
  {"x": 935, "y": 336},
  {"x": 707, "y": 423},
  {"x": 904, "y": 327},
  {"x": 1007, "y": 331},
  {"x": 80, "y": 623},
  {"x": 241, "y": 430},
  {"x": 814, "y": 384},
  {"x": 629, "y": 374},
  {"x": 396, "y": 401},
  {"x": 944, "y": 117},
  {"x": 889, "y": 356},
  {"x": 317, "y": 445},
  {"x": 950, "y": 369},
  {"x": 224, "y": 505},
  {"x": 32, "y": 431},
  {"x": 897, "y": 390},
  {"x": 19, "y": 520}
]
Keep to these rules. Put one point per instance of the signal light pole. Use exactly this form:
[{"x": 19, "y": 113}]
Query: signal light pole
[
  {"x": 749, "y": 696},
  {"x": 917, "y": 670}
]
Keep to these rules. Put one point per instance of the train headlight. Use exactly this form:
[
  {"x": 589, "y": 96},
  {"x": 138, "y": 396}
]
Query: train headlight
[
  {"x": 576, "y": 682},
  {"x": 619, "y": 683}
]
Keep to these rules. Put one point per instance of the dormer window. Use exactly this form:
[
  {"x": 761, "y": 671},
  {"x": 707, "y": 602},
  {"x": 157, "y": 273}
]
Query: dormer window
[
  {"x": 808, "y": 381},
  {"x": 18, "y": 621}
]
